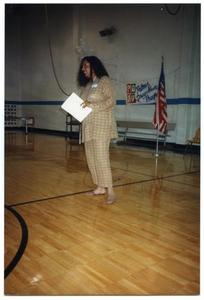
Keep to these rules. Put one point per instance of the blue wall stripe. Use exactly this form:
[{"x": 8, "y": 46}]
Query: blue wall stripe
[
  {"x": 184, "y": 101},
  {"x": 169, "y": 101},
  {"x": 118, "y": 102},
  {"x": 34, "y": 102}
]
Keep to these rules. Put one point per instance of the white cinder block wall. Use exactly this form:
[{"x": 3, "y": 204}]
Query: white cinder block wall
[{"x": 143, "y": 34}]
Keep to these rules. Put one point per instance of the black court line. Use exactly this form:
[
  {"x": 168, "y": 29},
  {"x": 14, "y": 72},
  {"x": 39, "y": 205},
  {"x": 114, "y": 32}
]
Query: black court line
[
  {"x": 24, "y": 228},
  {"x": 159, "y": 178},
  {"x": 23, "y": 244},
  {"x": 119, "y": 185},
  {"x": 184, "y": 183}
]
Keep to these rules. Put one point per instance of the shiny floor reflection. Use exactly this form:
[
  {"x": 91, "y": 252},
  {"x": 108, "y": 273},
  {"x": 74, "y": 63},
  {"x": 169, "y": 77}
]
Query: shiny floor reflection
[{"x": 146, "y": 243}]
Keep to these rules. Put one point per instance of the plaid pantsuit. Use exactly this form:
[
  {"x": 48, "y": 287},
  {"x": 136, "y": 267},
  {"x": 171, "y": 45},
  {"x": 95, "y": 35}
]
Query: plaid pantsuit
[
  {"x": 98, "y": 128},
  {"x": 97, "y": 155}
]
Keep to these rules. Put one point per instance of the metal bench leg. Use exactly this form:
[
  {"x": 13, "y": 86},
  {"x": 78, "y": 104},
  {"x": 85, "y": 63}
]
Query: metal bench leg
[
  {"x": 165, "y": 141},
  {"x": 186, "y": 149},
  {"x": 80, "y": 135},
  {"x": 26, "y": 126},
  {"x": 125, "y": 137}
]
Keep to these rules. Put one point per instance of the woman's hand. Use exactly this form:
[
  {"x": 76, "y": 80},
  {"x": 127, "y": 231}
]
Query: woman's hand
[{"x": 85, "y": 104}]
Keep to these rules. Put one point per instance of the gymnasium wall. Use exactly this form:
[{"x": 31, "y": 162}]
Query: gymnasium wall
[{"x": 39, "y": 76}]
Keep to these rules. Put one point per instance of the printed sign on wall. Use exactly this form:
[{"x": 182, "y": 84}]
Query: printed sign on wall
[
  {"x": 131, "y": 88},
  {"x": 143, "y": 93}
]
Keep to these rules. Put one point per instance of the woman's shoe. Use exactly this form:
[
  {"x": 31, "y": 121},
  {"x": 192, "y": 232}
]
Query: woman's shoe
[
  {"x": 111, "y": 199},
  {"x": 92, "y": 193}
]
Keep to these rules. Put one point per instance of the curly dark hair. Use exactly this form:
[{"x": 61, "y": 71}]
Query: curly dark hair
[{"x": 95, "y": 65}]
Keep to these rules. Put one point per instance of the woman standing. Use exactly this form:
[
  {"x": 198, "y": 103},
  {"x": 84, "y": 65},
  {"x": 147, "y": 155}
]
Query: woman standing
[{"x": 99, "y": 127}]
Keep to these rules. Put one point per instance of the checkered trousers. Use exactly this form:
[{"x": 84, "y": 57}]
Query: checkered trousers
[{"x": 98, "y": 160}]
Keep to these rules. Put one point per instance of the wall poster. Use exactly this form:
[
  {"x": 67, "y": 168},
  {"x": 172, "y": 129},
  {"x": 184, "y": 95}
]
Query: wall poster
[{"x": 144, "y": 93}]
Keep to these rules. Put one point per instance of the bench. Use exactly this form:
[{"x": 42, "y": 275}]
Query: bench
[
  {"x": 27, "y": 120},
  {"x": 125, "y": 128}
]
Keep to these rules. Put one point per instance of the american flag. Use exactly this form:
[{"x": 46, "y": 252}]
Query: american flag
[{"x": 160, "y": 114}]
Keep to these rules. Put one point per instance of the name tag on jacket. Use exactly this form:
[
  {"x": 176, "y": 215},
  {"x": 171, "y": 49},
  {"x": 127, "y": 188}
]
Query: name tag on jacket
[{"x": 94, "y": 84}]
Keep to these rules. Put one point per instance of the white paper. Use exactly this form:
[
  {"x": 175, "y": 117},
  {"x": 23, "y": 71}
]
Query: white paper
[{"x": 72, "y": 105}]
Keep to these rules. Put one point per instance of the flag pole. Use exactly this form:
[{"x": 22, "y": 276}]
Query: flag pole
[
  {"x": 157, "y": 146},
  {"x": 157, "y": 112}
]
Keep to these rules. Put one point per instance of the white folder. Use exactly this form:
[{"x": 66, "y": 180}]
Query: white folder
[{"x": 72, "y": 105}]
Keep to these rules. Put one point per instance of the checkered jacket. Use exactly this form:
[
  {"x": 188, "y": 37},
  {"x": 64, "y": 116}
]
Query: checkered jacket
[{"x": 100, "y": 123}]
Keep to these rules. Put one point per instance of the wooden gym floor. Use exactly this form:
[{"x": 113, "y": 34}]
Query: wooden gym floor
[{"x": 58, "y": 241}]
